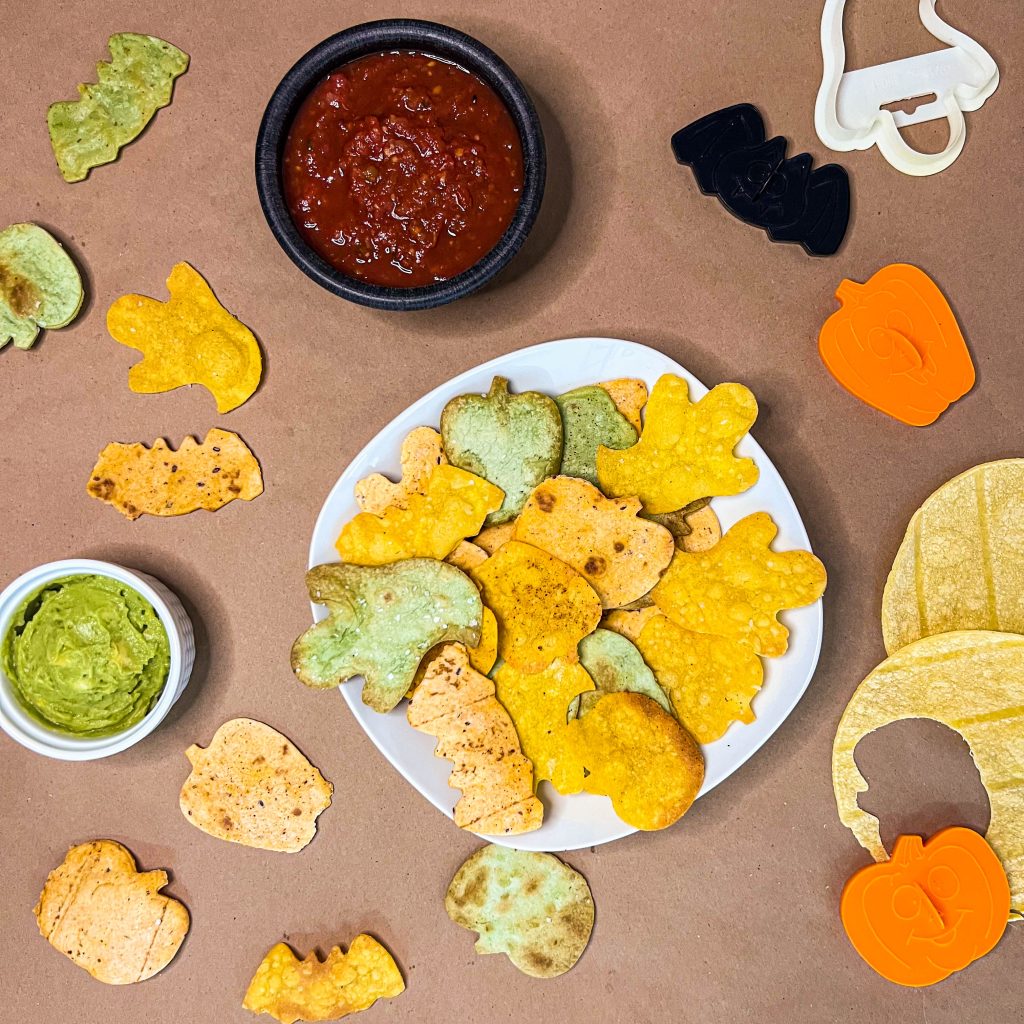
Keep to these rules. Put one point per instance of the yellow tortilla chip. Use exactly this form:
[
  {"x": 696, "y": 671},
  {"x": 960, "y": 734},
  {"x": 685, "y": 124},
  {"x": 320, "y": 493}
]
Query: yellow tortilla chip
[
  {"x": 457, "y": 704},
  {"x": 252, "y": 786},
  {"x": 710, "y": 680},
  {"x": 543, "y": 606},
  {"x": 538, "y": 703},
  {"x": 971, "y": 681},
  {"x": 421, "y": 455},
  {"x": 634, "y": 752},
  {"x": 189, "y": 339},
  {"x": 452, "y": 507},
  {"x": 738, "y": 587},
  {"x": 290, "y": 989},
  {"x": 159, "y": 481},
  {"x": 467, "y": 556},
  {"x": 492, "y": 537},
  {"x": 961, "y": 563},
  {"x": 686, "y": 449},
  {"x": 109, "y": 918},
  {"x": 621, "y": 556},
  {"x": 629, "y": 396},
  {"x": 630, "y": 623}
]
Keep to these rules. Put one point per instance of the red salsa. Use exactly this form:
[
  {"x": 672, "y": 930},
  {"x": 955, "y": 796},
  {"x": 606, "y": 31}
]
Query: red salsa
[{"x": 401, "y": 169}]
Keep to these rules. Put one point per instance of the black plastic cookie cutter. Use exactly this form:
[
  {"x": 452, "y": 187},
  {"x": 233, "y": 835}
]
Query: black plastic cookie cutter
[{"x": 751, "y": 175}]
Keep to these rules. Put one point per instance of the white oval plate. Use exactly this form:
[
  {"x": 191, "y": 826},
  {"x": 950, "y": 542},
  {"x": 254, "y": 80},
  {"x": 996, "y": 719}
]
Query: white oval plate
[{"x": 574, "y": 822}]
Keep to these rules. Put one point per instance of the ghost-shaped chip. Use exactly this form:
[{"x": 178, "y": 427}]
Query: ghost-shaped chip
[{"x": 421, "y": 455}]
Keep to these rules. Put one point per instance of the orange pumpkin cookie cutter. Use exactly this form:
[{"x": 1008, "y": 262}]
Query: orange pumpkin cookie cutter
[
  {"x": 896, "y": 345},
  {"x": 931, "y": 910}
]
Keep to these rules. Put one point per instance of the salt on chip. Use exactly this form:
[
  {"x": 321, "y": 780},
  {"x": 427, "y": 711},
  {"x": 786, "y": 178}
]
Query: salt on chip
[
  {"x": 629, "y": 396},
  {"x": 530, "y": 906},
  {"x": 290, "y": 989},
  {"x": 381, "y": 621},
  {"x": 452, "y": 506},
  {"x": 629, "y": 749},
  {"x": 710, "y": 680},
  {"x": 189, "y": 339},
  {"x": 589, "y": 420},
  {"x": 132, "y": 87},
  {"x": 421, "y": 455},
  {"x": 252, "y": 786},
  {"x": 738, "y": 587},
  {"x": 630, "y": 623},
  {"x": 620, "y": 555},
  {"x": 971, "y": 681},
  {"x": 159, "y": 481},
  {"x": 961, "y": 563},
  {"x": 40, "y": 286},
  {"x": 109, "y": 918},
  {"x": 457, "y": 704},
  {"x": 490, "y": 538},
  {"x": 615, "y": 665},
  {"x": 685, "y": 451},
  {"x": 543, "y": 606}
]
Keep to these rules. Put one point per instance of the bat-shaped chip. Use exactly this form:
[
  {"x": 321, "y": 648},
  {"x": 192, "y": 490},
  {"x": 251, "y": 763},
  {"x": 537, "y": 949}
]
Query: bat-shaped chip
[{"x": 732, "y": 158}]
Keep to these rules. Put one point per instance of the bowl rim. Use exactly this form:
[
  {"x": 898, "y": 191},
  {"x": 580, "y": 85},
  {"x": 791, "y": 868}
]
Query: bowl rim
[
  {"x": 52, "y": 742},
  {"x": 380, "y": 37}
]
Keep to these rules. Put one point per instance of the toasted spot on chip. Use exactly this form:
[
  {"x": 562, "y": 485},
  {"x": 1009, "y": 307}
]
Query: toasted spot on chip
[
  {"x": 290, "y": 989},
  {"x": 589, "y": 420},
  {"x": 457, "y": 704},
  {"x": 530, "y": 906},
  {"x": 615, "y": 665},
  {"x": 159, "y": 481},
  {"x": 251, "y": 775},
  {"x": 109, "y": 918},
  {"x": 737, "y": 588},
  {"x": 543, "y": 606},
  {"x": 685, "y": 451},
  {"x": 421, "y": 455},
  {"x": 629, "y": 396}
]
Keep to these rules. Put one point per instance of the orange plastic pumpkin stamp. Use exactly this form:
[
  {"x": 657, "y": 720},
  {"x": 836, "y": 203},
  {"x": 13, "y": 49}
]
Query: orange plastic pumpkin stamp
[
  {"x": 931, "y": 910},
  {"x": 895, "y": 344}
]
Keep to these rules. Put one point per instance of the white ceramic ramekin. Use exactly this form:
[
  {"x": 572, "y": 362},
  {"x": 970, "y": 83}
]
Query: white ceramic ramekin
[{"x": 23, "y": 728}]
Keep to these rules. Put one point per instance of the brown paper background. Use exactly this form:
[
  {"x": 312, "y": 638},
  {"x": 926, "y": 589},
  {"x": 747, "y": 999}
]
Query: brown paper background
[{"x": 731, "y": 915}]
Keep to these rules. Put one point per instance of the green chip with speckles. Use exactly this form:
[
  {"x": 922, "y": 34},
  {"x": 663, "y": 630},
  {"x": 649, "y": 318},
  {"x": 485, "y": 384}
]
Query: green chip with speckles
[{"x": 590, "y": 419}]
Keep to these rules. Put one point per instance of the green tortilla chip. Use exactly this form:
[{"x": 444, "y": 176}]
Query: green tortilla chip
[
  {"x": 382, "y": 620},
  {"x": 615, "y": 665},
  {"x": 514, "y": 441},
  {"x": 530, "y": 906},
  {"x": 132, "y": 87},
  {"x": 590, "y": 419},
  {"x": 39, "y": 284}
]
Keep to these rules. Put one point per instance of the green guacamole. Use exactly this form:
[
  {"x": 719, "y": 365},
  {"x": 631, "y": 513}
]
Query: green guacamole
[{"x": 86, "y": 654}]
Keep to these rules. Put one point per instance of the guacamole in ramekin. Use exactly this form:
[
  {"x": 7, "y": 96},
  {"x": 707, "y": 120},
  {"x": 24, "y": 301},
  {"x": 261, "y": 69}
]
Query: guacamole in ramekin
[{"x": 86, "y": 654}]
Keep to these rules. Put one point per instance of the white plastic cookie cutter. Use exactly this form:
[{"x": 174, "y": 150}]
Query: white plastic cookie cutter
[{"x": 848, "y": 113}]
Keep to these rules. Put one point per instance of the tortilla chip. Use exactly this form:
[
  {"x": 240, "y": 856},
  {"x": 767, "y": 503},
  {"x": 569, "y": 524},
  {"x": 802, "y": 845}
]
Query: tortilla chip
[
  {"x": 590, "y": 419},
  {"x": 160, "y": 481},
  {"x": 466, "y": 556},
  {"x": 630, "y": 750},
  {"x": 132, "y": 87},
  {"x": 738, "y": 587},
  {"x": 39, "y": 285},
  {"x": 686, "y": 449},
  {"x": 252, "y": 786},
  {"x": 189, "y": 339},
  {"x": 543, "y": 606},
  {"x": 421, "y": 455},
  {"x": 109, "y": 918},
  {"x": 629, "y": 623},
  {"x": 971, "y": 681},
  {"x": 629, "y": 396},
  {"x": 530, "y": 906},
  {"x": 961, "y": 563},
  {"x": 456, "y": 704},
  {"x": 483, "y": 656},
  {"x": 615, "y": 666},
  {"x": 538, "y": 703},
  {"x": 490, "y": 538},
  {"x": 514, "y": 441},
  {"x": 710, "y": 680},
  {"x": 381, "y": 621},
  {"x": 290, "y": 989},
  {"x": 433, "y": 521},
  {"x": 695, "y": 527},
  {"x": 620, "y": 555}
]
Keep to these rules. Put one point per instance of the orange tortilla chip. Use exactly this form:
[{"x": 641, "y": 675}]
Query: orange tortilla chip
[
  {"x": 629, "y": 396},
  {"x": 467, "y": 556},
  {"x": 543, "y": 606},
  {"x": 421, "y": 455},
  {"x": 630, "y": 623},
  {"x": 457, "y": 704},
  {"x": 290, "y": 989},
  {"x": 738, "y": 587},
  {"x": 159, "y": 481},
  {"x": 492, "y": 537}
]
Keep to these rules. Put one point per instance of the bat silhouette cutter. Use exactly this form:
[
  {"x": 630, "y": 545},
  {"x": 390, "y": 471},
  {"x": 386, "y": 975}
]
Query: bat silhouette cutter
[{"x": 732, "y": 158}]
